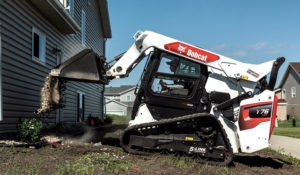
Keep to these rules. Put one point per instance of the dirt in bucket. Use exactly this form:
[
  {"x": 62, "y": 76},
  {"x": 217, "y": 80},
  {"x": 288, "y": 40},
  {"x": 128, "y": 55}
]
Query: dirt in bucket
[{"x": 50, "y": 95}]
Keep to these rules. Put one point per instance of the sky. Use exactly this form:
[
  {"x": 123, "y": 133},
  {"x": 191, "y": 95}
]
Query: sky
[{"x": 252, "y": 31}]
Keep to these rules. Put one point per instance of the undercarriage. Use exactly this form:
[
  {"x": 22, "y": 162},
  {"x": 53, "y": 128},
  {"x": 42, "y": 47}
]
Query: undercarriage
[{"x": 197, "y": 135}]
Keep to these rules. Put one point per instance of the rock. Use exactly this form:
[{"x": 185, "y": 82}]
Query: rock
[{"x": 98, "y": 144}]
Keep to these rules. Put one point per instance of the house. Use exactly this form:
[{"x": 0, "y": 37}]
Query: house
[
  {"x": 37, "y": 35},
  {"x": 119, "y": 100},
  {"x": 290, "y": 85}
]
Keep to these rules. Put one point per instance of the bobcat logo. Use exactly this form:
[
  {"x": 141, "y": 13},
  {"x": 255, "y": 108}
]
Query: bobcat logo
[{"x": 181, "y": 48}]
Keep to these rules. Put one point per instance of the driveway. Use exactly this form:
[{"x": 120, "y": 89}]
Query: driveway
[{"x": 286, "y": 145}]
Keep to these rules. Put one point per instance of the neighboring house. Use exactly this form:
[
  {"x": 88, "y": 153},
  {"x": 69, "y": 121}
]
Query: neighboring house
[
  {"x": 119, "y": 100},
  {"x": 290, "y": 91},
  {"x": 281, "y": 109},
  {"x": 37, "y": 35}
]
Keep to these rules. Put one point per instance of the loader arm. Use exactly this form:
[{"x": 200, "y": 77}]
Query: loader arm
[{"x": 88, "y": 66}]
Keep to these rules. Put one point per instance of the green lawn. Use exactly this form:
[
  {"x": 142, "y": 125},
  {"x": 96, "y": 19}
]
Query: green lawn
[
  {"x": 119, "y": 120},
  {"x": 285, "y": 128}
]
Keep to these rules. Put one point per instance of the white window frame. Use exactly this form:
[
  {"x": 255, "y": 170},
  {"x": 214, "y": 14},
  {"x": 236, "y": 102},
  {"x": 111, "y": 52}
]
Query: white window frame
[
  {"x": 129, "y": 97},
  {"x": 83, "y": 27},
  {"x": 70, "y": 7},
  {"x": 293, "y": 92},
  {"x": 283, "y": 93},
  {"x": 41, "y": 35},
  {"x": 1, "y": 112}
]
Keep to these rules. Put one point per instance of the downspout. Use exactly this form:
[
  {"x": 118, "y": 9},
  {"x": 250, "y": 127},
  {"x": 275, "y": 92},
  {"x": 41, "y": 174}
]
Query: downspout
[
  {"x": 104, "y": 46},
  {"x": 1, "y": 111},
  {"x": 103, "y": 89},
  {"x": 58, "y": 54},
  {"x": 103, "y": 103}
]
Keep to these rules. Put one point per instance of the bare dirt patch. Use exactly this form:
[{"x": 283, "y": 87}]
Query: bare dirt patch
[
  {"x": 86, "y": 159},
  {"x": 83, "y": 154}
]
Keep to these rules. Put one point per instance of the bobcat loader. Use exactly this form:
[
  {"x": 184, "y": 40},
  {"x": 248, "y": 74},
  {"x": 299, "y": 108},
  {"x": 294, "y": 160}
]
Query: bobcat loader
[{"x": 189, "y": 100}]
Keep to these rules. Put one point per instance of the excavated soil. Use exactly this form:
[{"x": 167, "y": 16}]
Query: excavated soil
[
  {"x": 49, "y": 160},
  {"x": 49, "y": 95}
]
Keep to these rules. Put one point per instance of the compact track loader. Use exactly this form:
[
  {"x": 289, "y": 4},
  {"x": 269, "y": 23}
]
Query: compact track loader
[{"x": 188, "y": 100}]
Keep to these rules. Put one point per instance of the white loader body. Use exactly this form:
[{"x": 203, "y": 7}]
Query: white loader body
[{"x": 255, "y": 133}]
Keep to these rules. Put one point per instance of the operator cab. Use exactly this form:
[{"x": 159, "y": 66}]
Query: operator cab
[{"x": 172, "y": 86}]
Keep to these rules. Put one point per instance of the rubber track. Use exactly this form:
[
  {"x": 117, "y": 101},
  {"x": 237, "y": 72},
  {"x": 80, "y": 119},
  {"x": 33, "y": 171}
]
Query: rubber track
[{"x": 179, "y": 119}]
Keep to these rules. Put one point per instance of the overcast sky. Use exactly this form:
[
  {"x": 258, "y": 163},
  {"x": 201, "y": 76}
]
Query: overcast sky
[{"x": 252, "y": 31}]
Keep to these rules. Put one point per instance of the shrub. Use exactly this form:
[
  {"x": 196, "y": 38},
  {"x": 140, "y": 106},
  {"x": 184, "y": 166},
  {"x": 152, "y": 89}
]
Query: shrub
[
  {"x": 107, "y": 119},
  {"x": 30, "y": 130},
  {"x": 93, "y": 121}
]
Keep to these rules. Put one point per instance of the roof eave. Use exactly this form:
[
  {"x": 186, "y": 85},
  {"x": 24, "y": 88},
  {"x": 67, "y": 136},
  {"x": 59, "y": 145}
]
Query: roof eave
[
  {"x": 284, "y": 76},
  {"x": 104, "y": 17},
  {"x": 120, "y": 103},
  {"x": 295, "y": 70},
  {"x": 54, "y": 11},
  {"x": 286, "y": 73},
  {"x": 120, "y": 93}
]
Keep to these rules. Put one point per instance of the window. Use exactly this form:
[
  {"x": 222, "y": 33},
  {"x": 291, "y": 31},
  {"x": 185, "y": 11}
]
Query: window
[
  {"x": 175, "y": 76},
  {"x": 80, "y": 106},
  {"x": 83, "y": 28},
  {"x": 68, "y": 5},
  {"x": 172, "y": 65},
  {"x": 293, "y": 92},
  {"x": 283, "y": 94},
  {"x": 38, "y": 46},
  {"x": 128, "y": 98}
]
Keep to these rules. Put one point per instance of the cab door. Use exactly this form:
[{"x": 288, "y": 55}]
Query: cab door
[{"x": 174, "y": 92}]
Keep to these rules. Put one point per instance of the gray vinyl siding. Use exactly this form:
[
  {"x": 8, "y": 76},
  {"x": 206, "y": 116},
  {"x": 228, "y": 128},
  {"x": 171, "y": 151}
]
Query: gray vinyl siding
[
  {"x": 293, "y": 104},
  {"x": 23, "y": 78}
]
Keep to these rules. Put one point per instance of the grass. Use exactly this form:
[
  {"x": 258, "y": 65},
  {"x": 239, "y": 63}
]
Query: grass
[
  {"x": 114, "y": 161},
  {"x": 95, "y": 163},
  {"x": 285, "y": 128},
  {"x": 288, "y": 158},
  {"x": 290, "y": 132},
  {"x": 118, "y": 119},
  {"x": 188, "y": 163},
  {"x": 178, "y": 161},
  {"x": 288, "y": 123}
]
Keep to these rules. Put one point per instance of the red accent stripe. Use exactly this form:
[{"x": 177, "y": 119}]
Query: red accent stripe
[
  {"x": 245, "y": 122},
  {"x": 273, "y": 115},
  {"x": 192, "y": 52}
]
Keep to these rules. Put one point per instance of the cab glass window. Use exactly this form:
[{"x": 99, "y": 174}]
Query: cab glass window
[{"x": 175, "y": 76}]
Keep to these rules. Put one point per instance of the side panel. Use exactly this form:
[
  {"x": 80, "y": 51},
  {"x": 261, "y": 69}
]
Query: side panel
[
  {"x": 142, "y": 116},
  {"x": 219, "y": 83},
  {"x": 230, "y": 130},
  {"x": 254, "y": 131}
]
